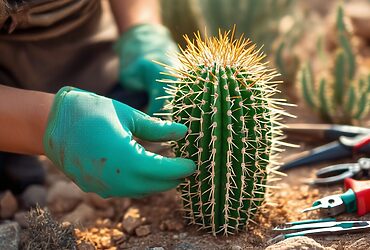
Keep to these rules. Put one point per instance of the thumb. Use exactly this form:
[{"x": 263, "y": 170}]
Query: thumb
[{"x": 155, "y": 129}]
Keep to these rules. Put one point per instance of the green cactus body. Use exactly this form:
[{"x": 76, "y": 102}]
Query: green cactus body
[
  {"x": 223, "y": 94},
  {"x": 344, "y": 97}
]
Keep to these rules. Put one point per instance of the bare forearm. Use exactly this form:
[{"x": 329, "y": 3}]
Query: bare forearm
[
  {"x": 128, "y": 13},
  {"x": 23, "y": 118}
]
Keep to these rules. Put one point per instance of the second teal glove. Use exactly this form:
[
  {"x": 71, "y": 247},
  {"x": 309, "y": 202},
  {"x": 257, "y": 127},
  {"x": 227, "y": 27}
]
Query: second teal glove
[
  {"x": 90, "y": 139},
  {"x": 136, "y": 49}
]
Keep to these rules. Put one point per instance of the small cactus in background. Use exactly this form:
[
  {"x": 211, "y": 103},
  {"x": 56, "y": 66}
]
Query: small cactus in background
[
  {"x": 343, "y": 97},
  {"x": 224, "y": 95}
]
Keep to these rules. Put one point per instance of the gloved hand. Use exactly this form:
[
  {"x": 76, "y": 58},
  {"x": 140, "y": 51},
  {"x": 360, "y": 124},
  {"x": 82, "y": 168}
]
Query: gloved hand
[
  {"x": 136, "y": 49},
  {"x": 89, "y": 137}
]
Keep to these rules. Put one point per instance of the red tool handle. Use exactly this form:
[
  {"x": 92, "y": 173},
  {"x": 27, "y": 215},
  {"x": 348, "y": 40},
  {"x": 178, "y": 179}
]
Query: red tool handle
[{"x": 362, "y": 192}]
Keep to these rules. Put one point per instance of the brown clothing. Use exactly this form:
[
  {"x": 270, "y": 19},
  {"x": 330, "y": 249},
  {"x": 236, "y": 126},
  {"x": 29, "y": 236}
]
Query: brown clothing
[{"x": 47, "y": 44}]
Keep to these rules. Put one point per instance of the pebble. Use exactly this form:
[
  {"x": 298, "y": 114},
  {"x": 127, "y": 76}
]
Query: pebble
[
  {"x": 96, "y": 201},
  {"x": 155, "y": 248},
  {"x": 235, "y": 247},
  {"x": 183, "y": 236},
  {"x": 64, "y": 197},
  {"x": 142, "y": 231},
  {"x": 8, "y": 205},
  {"x": 360, "y": 244},
  {"x": 82, "y": 214},
  {"x": 21, "y": 218},
  {"x": 85, "y": 246},
  {"x": 105, "y": 213},
  {"x": 32, "y": 196},
  {"x": 185, "y": 246},
  {"x": 132, "y": 220},
  {"x": 9, "y": 235},
  {"x": 300, "y": 242},
  {"x": 171, "y": 225}
]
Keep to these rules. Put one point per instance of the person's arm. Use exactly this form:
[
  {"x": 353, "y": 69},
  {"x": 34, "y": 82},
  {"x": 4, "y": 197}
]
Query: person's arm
[
  {"x": 129, "y": 13},
  {"x": 23, "y": 118}
]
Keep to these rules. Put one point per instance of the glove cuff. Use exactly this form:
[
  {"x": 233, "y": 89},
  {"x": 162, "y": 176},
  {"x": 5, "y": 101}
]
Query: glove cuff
[{"x": 52, "y": 151}]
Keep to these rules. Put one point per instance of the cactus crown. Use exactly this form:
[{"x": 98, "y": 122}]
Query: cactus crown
[{"x": 223, "y": 93}]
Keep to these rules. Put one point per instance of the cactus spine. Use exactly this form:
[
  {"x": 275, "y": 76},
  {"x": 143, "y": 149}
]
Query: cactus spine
[
  {"x": 223, "y": 93},
  {"x": 343, "y": 97}
]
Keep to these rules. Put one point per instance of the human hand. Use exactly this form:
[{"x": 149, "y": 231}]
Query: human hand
[
  {"x": 89, "y": 138},
  {"x": 137, "y": 48}
]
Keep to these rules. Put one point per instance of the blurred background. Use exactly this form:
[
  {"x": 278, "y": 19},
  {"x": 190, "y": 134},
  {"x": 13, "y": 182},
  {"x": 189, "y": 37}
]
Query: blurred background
[{"x": 320, "y": 48}]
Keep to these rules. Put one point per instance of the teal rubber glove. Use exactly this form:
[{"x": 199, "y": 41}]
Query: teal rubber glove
[
  {"x": 89, "y": 138},
  {"x": 136, "y": 49}
]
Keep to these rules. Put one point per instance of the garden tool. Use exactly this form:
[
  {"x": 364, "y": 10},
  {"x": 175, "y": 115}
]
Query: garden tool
[
  {"x": 344, "y": 147},
  {"x": 337, "y": 173},
  {"x": 325, "y": 226},
  {"x": 329, "y": 132},
  {"x": 355, "y": 199}
]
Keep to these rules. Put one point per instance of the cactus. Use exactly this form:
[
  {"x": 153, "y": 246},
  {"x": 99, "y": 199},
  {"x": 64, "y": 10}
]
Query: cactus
[
  {"x": 343, "y": 97},
  {"x": 224, "y": 94}
]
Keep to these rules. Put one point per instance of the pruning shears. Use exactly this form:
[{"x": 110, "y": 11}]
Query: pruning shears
[
  {"x": 337, "y": 173},
  {"x": 357, "y": 140}
]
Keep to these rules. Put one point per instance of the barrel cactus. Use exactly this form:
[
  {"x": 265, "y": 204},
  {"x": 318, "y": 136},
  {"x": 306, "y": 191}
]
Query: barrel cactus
[{"x": 223, "y": 93}]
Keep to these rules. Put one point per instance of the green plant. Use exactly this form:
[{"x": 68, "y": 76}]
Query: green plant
[
  {"x": 343, "y": 96},
  {"x": 224, "y": 94}
]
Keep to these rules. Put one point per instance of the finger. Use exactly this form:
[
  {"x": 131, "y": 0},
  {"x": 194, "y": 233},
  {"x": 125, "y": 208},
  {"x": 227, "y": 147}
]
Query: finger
[
  {"x": 152, "y": 187},
  {"x": 158, "y": 167},
  {"x": 155, "y": 129}
]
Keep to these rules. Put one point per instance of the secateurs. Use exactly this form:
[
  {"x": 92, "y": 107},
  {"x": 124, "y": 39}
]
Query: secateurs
[
  {"x": 357, "y": 140},
  {"x": 355, "y": 199},
  {"x": 337, "y": 173},
  {"x": 319, "y": 227}
]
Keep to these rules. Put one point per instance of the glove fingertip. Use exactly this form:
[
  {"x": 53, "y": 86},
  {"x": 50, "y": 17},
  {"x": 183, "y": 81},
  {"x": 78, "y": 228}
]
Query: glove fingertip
[{"x": 188, "y": 167}]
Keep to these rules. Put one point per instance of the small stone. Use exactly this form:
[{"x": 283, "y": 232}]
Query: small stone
[
  {"x": 171, "y": 225},
  {"x": 85, "y": 246},
  {"x": 144, "y": 230},
  {"x": 360, "y": 244},
  {"x": 32, "y": 196},
  {"x": 131, "y": 220},
  {"x": 105, "y": 213},
  {"x": 235, "y": 247},
  {"x": 97, "y": 201},
  {"x": 82, "y": 214},
  {"x": 64, "y": 197},
  {"x": 185, "y": 246},
  {"x": 183, "y": 236},
  {"x": 300, "y": 242},
  {"x": 21, "y": 218},
  {"x": 8, "y": 205},
  {"x": 9, "y": 236},
  {"x": 155, "y": 248}
]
